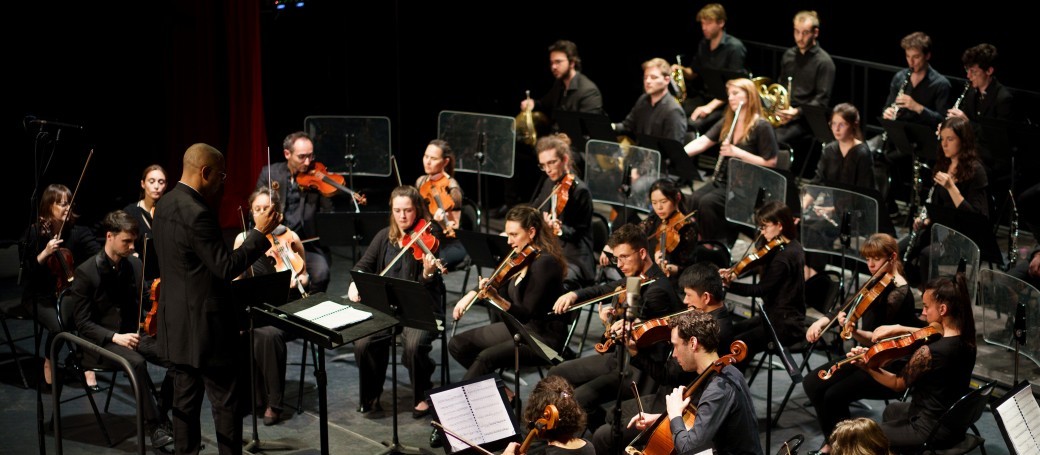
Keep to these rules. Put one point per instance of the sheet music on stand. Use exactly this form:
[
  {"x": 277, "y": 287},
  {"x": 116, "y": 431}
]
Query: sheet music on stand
[
  {"x": 1018, "y": 417},
  {"x": 332, "y": 315},
  {"x": 477, "y": 410}
]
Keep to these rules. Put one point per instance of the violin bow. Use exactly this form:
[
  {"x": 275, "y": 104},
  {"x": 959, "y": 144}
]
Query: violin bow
[
  {"x": 82, "y": 174},
  {"x": 245, "y": 230},
  {"x": 140, "y": 291},
  {"x": 848, "y": 304},
  {"x": 460, "y": 438},
  {"x": 397, "y": 172}
]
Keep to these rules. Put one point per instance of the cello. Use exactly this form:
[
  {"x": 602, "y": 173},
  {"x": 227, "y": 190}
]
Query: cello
[{"x": 656, "y": 438}]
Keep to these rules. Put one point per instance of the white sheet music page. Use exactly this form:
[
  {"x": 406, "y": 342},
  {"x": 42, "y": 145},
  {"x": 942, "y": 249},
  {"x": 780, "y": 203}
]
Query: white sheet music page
[
  {"x": 1021, "y": 416},
  {"x": 475, "y": 412},
  {"x": 332, "y": 315}
]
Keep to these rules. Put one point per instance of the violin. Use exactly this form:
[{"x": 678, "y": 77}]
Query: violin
[
  {"x": 866, "y": 295},
  {"x": 889, "y": 349},
  {"x": 286, "y": 258},
  {"x": 763, "y": 251},
  {"x": 656, "y": 438},
  {"x": 438, "y": 195},
  {"x": 151, "y": 321},
  {"x": 419, "y": 242},
  {"x": 318, "y": 178},
  {"x": 622, "y": 295},
  {"x": 667, "y": 232},
  {"x": 654, "y": 331},
  {"x": 61, "y": 262},
  {"x": 558, "y": 198},
  {"x": 510, "y": 266},
  {"x": 550, "y": 415}
]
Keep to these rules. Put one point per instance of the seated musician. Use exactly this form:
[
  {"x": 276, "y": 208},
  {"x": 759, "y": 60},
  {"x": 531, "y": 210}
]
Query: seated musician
[
  {"x": 153, "y": 185},
  {"x": 527, "y": 296},
  {"x": 596, "y": 377},
  {"x": 960, "y": 183},
  {"x": 704, "y": 292},
  {"x": 565, "y": 437},
  {"x": 269, "y": 341},
  {"x": 573, "y": 220},
  {"x": 751, "y": 139},
  {"x": 407, "y": 210},
  {"x": 808, "y": 71},
  {"x": 893, "y": 305},
  {"x": 726, "y": 420},
  {"x": 781, "y": 286},
  {"x": 939, "y": 372},
  {"x": 984, "y": 98},
  {"x": 104, "y": 301},
  {"x": 438, "y": 177},
  {"x": 656, "y": 112}
]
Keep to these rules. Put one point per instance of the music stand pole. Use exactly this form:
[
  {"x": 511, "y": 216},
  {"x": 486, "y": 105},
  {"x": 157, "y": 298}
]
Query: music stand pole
[
  {"x": 480, "y": 155},
  {"x": 517, "y": 342},
  {"x": 620, "y": 349},
  {"x": 254, "y": 445}
]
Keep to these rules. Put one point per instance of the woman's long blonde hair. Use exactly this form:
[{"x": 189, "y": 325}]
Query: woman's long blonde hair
[{"x": 751, "y": 111}]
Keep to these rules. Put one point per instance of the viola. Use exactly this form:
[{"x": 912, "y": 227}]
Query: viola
[
  {"x": 550, "y": 415},
  {"x": 510, "y": 266},
  {"x": 438, "y": 195},
  {"x": 151, "y": 321},
  {"x": 286, "y": 258},
  {"x": 654, "y": 331},
  {"x": 866, "y": 295},
  {"x": 889, "y": 349},
  {"x": 763, "y": 251},
  {"x": 656, "y": 439},
  {"x": 318, "y": 178}
]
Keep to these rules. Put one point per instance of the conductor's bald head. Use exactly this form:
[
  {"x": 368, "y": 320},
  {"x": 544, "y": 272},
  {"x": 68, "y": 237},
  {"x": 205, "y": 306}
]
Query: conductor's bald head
[{"x": 204, "y": 170}]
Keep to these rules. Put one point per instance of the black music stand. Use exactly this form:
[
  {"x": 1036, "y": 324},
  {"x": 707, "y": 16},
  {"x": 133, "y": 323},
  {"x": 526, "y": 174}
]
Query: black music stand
[
  {"x": 818, "y": 119},
  {"x": 521, "y": 337},
  {"x": 352, "y": 229},
  {"x": 913, "y": 139},
  {"x": 476, "y": 401},
  {"x": 271, "y": 289},
  {"x": 285, "y": 318},
  {"x": 485, "y": 250},
  {"x": 413, "y": 306},
  {"x": 675, "y": 160},
  {"x": 580, "y": 127},
  {"x": 715, "y": 80},
  {"x": 774, "y": 347}
]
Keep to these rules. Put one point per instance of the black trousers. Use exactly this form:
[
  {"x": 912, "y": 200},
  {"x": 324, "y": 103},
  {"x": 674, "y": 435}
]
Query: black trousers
[
  {"x": 831, "y": 398},
  {"x": 147, "y": 352},
  {"x": 270, "y": 356},
  {"x": 373, "y": 354},
  {"x": 221, "y": 386},
  {"x": 486, "y": 349}
]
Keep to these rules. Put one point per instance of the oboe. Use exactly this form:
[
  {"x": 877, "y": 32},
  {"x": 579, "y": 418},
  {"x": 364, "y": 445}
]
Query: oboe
[
  {"x": 957, "y": 104},
  {"x": 1012, "y": 253},
  {"x": 915, "y": 234},
  {"x": 729, "y": 139}
]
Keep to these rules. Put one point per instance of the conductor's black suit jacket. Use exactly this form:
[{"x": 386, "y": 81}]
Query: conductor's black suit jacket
[{"x": 198, "y": 323}]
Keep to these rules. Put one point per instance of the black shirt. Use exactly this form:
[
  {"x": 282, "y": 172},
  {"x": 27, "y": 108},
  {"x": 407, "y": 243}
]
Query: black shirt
[
  {"x": 581, "y": 95},
  {"x": 40, "y": 282},
  {"x": 996, "y": 102},
  {"x": 729, "y": 55},
  {"x": 665, "y": 119},
  {"x": 812, "y": 76},
  {"x": 576, "y": 237},
  {"x": 782, "y": 289},
  {"x": 933, "y": 92},
  {"x": 974, "y": 192},
  {"x": 761, "y": 141},
  {"x": 855, "y": 168}
]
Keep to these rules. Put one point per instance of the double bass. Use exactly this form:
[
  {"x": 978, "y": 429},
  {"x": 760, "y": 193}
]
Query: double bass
[{"x": 656, "y": 438}]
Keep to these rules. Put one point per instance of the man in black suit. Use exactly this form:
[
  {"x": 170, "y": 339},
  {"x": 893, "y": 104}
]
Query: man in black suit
[
  {"x": 300, "y": 204},
  {"x": 198, "y": 325},
  {"x": 104, "y": 300}
]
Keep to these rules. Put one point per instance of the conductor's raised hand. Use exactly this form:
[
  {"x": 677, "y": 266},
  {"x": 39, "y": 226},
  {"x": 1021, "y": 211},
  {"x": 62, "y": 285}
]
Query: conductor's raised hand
[{"x": 266, "y": 220}]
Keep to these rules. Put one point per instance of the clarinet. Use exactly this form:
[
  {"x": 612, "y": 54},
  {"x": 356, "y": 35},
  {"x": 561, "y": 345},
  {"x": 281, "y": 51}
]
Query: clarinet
[
  {"x": 902, "y": 90},
  {"x": 729, "y": 138},
  {"x": 916, "y": 233},
  {"x": 1012, "y": 253},
  {"x": 957, "y": 104}
]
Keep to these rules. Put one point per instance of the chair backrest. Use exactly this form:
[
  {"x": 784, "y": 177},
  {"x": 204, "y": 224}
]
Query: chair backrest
[
  {"x": 963, "y": 413},
  {"x": 470, "y": 215},
  {"x": 600, "y": 232},
  {"x": 785, "y": 157},
  {"x": 713, "y": 251},
  {"x": 821, "y": 290}
]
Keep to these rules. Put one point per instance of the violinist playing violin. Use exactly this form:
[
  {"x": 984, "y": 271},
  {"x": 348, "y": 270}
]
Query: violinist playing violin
[
  {"x": 443, "y": 197},
  {"x": 570, "y": 216},
  {"x": 104, "y": 303},
  {"x": 407, "y": 216},
  {"x": 725, "y": 415},
  {"x": 51, "y": 249},
  {"x": 269, "y": 341},
  {"x": 893, "y": 305},
  {"x": 781, "y": 287},
  {"x": 300, "y": 204},
  {"x": 703, "y": 293},
  {"x": 940, "y": 372},
  {"x": 564, "y": 438},
  {"x": 526, "y": 295},
  {"x": 679, "y": 231},
  {"x": 595, "y": 377}
]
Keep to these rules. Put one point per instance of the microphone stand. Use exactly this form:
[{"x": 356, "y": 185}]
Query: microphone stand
[
  {"x": 625, "y": 189},
  {"x": 350, "y": 158},
  {"x": 480, "y": 156},
  {"x": 634, "y": 304},
  {"x": 1019, "y": 333}
]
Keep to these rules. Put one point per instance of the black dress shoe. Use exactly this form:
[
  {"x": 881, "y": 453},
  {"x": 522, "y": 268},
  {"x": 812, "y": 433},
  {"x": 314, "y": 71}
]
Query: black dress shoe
[
  {"x": 273, "y": 418},
  {"x": 436, "y": 440},
  {"x": 417, "y": 414},
  {"x": 370, "y": 406},
  {"x": 161, "y": 438}
]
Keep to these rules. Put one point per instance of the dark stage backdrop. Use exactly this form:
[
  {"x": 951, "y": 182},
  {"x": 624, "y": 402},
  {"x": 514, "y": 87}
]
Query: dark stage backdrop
[{"x": 148, "y": 79}]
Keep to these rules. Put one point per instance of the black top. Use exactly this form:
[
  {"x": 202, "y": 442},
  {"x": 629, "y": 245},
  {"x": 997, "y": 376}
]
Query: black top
[
  {"x": 933, "y": 92},
  {"x": 104, "y": 298},
  {"x": 144, "y": 224},
  {"x": 782, "y": 289},
  {"x": 855, "y": 168},
  {"x": 298, "y": 204},
  {"x": 658, "y": 298},
  {"x": 943, "y": 372},
  {"x": 812, "y": 76},
  {"x": 381, "y": 251},
  {"x": 531, "y": 300},
  {"x": 894, "y": 305},
  {"x": 541, "y": 448},
  {"x": 576, "y": 238},
  {"x": 665, "y": 119},
  {"x": 725, "y": 418},
  {"x": 729, "y": 55},
  {"x": 761, "y": 141},
  {"x": 581, "y": 95},
  {"x": 39, "y": 282},
  {"x": 683, "y": 254},
  {"x": 974, "y": 192},
  {"x": 996, "y": 102}
]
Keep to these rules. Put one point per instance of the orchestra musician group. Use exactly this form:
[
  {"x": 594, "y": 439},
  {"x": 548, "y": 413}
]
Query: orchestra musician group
[{"x": 690, "y": 356}]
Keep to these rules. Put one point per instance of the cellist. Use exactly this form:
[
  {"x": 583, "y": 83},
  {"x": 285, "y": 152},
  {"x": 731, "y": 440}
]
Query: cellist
[
  {"x": 105, "y": 307},
  {"x": 443, "y": 197},
  {"x": 894, "y": 305},
  {"x": 572, "y": 217},
  {"x": 725, "y": 415},
  {"x": 595, "y": 377},
  {"x": 55, "y": 231}
]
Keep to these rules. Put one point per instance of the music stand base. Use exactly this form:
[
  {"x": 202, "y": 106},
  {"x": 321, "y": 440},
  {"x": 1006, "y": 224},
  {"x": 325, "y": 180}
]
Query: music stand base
[
  {"x": 392, "y": 448},
  {"x": 256, "y": 446}
]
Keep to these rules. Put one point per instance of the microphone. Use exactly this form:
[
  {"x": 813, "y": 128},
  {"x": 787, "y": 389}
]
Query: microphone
[
  {"x": 635, "y": 303},
  {"x": 43, "y": 123}
]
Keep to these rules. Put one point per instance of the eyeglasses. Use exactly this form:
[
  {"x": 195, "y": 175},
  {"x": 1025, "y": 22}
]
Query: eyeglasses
[
  {"x": 223, "y": 176},
  {"x": 839, "y": 125},
  {"x": 621, "y": 257},
  {"x": 547, "y": 165}
]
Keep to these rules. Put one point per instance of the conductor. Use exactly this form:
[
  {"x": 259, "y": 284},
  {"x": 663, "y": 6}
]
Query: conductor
[{"x": 198, "y": 326}]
